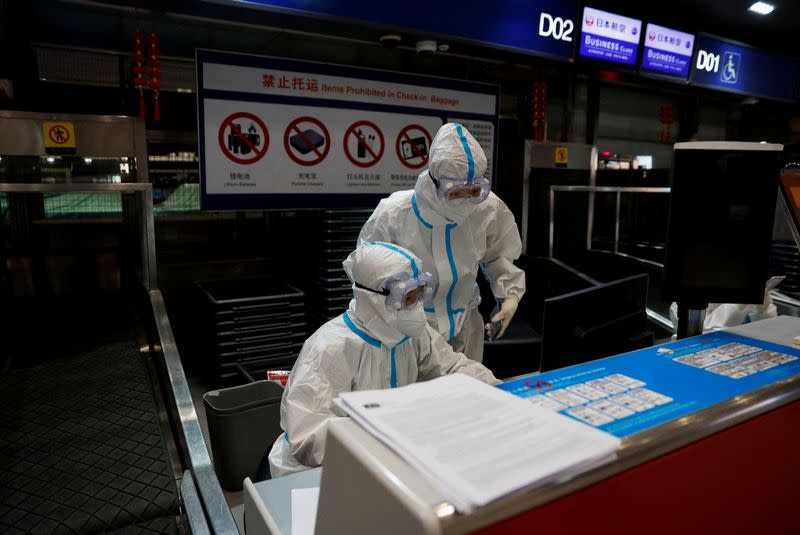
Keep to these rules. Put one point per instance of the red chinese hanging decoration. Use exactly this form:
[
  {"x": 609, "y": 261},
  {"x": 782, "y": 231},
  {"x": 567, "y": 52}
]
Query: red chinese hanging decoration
[
  {"x": 667, "y": 116},
  {"x": 155, "y": 76},
  {"x": 139, "y": 69},
  {"x": 539, "y": 109}
]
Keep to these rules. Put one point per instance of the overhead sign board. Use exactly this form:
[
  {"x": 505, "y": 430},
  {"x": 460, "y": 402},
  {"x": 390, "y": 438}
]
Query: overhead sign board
[
  {"x": 728, "y": 66},
  {"x": 609, "y": 37},
  {"x": 542, "y": 27},
  {"x": 667, "y": 51},
  {"x": 277, "y": 133}
]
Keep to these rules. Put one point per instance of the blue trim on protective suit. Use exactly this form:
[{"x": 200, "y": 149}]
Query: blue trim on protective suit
[
  {"x": 361, "y": 334},
  {"x": 450, "y": 312},
  {"x": 393, "y": 378},
  {"x": 414, "y": 269},
  {"x": 430, "y": 310},
  {"x": 416, "y": 211},
  {"x": 470, "y": 161}
]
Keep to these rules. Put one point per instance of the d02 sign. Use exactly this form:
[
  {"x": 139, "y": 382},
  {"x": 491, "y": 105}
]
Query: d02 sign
[{"x": 555, "y": 27}]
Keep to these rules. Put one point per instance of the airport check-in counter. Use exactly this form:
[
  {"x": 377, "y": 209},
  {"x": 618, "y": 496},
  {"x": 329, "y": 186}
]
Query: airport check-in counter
[{"x": 709, "y": 441}]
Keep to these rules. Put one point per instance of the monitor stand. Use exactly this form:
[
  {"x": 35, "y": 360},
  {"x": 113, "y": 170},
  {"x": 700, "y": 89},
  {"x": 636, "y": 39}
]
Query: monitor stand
[{"x": 690, "y": 320}]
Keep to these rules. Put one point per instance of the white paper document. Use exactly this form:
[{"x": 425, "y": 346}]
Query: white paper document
[
  {"x": 475, "y": 443},
  {"x": 304, "y": 510}
]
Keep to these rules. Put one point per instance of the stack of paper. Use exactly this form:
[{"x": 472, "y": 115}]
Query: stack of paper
[{"x": 475, "y": 443}]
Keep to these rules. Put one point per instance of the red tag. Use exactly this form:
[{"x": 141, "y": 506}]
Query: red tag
[{"x": 278, "y": 376}]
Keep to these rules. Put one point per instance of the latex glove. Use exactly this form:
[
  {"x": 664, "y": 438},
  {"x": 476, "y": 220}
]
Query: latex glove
[{"x": 507, "y": 311}]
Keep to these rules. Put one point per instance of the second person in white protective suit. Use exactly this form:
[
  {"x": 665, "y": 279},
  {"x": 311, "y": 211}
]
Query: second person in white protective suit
[
  {"x": 382, "y": 341},
  {"x": 455, "y": 224}
]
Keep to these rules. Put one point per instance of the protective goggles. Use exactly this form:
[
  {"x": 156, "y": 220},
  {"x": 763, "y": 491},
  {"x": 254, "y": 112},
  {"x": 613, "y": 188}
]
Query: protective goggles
[
  {"x": 457, "y": 191},
  {"x": 405, "y": 292}
]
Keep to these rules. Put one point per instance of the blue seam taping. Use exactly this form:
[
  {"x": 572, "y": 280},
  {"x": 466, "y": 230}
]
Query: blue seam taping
[
  {"x": 450, "y": 311},
  {"x": 393, "y": 378},
  {"x": 361, "y": 334},
  {"x": 416, "y": 211},
  {"x": 458, "y": 311},
  {"x": 286, "y": 437},
  {"x": 414, "y": 269},
  {"x": 430, "y": 310},
  {"x": 470, "y": 161}
]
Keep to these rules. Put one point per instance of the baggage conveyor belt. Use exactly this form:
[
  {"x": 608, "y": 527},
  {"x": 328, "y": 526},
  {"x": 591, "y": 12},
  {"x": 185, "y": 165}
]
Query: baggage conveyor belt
[{"x": 81, "y": 448}]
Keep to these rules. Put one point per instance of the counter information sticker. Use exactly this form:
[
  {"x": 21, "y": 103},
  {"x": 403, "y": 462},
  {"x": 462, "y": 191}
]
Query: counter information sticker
[
  {"x": 635, "y": 391},
  {"x": 279, "y": 133}
]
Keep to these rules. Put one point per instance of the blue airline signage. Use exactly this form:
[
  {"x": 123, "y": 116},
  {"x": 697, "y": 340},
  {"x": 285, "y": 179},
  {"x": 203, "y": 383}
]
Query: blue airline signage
[
  {"x": 728, "y": 66},
  {"x": 667, "y": 51},
  {"x": 610, "y": 37},
  {"x": 544, "y": 27}
]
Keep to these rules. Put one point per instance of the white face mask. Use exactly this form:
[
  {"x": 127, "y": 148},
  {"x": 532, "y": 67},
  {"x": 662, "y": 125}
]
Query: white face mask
[{"x": 410, "y": 322}]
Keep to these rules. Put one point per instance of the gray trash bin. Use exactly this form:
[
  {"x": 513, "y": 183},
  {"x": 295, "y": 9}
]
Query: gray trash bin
[{"x": 243, "y": 422}]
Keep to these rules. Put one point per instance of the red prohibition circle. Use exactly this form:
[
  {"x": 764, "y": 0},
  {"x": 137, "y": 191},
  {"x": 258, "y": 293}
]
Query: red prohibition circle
[
  {"x": 404, "y": 135},
  {"x": 54, "y": 138},
  {"x": 536, "y": 384},
  {"x": 376, "y": 157},
  {"x": 228, "y": 152},
  {"x": 293, "y": 128}
]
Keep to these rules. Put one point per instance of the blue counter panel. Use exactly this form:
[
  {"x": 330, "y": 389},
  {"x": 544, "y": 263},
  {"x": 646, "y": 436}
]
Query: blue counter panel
[{"x": 633, "y": 392}]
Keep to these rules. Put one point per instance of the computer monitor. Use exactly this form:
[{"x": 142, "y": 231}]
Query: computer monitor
[
  {"x": 595, "y": 322},
  {"x": 721, "y": 215}
]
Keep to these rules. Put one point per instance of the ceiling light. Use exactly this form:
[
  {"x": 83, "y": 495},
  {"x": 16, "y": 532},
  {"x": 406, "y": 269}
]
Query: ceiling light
[{"x": 762, "y": 8}]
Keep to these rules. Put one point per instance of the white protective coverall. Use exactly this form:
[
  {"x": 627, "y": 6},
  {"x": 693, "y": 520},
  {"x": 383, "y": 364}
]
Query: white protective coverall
[
  {"x": 454, "y": 241},
  {"x": 360, "y": 350}
]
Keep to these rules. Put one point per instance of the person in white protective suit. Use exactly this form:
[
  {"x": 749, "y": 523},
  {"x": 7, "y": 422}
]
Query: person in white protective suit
[
  {"x": 721, "y": 316},
  {"x": 455, "y": 224},
  {"x": 381, "y": 341}
]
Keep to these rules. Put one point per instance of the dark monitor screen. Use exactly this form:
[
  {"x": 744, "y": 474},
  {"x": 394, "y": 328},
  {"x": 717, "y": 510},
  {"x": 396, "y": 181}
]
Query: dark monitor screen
[
  {"x": 594, "y": 323},
  {"x": 720, "y": 225}
]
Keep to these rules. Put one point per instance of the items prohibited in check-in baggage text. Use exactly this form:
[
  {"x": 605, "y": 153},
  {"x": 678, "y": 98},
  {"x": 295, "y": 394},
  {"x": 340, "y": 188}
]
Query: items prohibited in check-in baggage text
[
  {"x": 243, "y": 138},
  {"x": 413, "y": 143},
  {"x": 363, "y": 144},
  {"x": 307, "y": 141}
]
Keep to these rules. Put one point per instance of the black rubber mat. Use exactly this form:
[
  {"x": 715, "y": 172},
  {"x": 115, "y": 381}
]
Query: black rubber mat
[{"x": 81, "y": 448}]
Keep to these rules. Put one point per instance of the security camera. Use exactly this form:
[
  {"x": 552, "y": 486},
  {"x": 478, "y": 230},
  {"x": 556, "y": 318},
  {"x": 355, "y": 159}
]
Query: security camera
[
  {"x": 390, "y": 40},
  {"x": 426, "y": 47}
]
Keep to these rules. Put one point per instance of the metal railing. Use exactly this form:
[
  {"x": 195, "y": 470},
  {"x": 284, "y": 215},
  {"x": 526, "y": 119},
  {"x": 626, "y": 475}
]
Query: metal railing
[
  {"x": 589, "y": 225},
  {"x": 204, "y": 502}
]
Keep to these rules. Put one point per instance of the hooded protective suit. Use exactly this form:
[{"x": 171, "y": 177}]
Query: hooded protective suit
[
  {"x": 454, "y": 241},
  {"x": 361, "y": 350}
]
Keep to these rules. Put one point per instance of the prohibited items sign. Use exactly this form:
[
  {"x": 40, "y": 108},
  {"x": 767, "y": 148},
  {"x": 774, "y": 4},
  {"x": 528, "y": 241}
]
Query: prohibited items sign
[
  {"x": 243, "y": 138},
  {"x": 412, "y": 146},
  {"x": 363, "y": 144},
  {"x": 307, "y": 141}
]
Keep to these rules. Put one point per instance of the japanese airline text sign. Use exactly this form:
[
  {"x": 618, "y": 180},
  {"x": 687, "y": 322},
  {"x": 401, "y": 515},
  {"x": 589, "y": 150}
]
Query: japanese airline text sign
[
  {"x": 728, "y": 66},
  {"x": 667, "y": 51},
  {"x": 276, "y": 133},
  {"x": 609, "y": 36}
]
